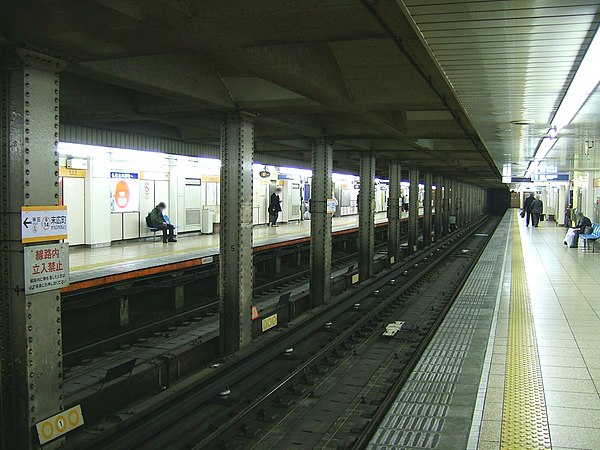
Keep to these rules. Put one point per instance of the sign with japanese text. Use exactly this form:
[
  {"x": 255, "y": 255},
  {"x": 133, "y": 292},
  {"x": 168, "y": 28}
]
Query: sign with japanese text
[
  {"x": 46, "y": 267},
  {"x": 124, "y": 191},
  {"x": 43, "y": 223}
]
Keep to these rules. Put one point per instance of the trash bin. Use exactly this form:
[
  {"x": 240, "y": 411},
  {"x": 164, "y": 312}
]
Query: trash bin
[{"x": 206, "y": 221}]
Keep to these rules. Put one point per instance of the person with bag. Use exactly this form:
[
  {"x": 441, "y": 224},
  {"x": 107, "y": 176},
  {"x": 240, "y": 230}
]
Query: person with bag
[
  {"x": 526, "y": 212},
  {"x": 537, "y": 208},
  {"x": 583, "y": 226}
]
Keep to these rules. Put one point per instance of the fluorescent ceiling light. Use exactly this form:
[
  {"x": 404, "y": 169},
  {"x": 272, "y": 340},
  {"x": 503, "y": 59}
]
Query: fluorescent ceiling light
[
  {"x": 583, "y": 84},
  {"x": 544, "y": 148}
]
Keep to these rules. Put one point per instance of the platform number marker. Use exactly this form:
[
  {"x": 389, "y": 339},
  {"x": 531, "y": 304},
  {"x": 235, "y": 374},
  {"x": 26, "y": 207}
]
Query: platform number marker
[
  {"x": 269, "y": 322},
  {"x": 59, "y": 424}
]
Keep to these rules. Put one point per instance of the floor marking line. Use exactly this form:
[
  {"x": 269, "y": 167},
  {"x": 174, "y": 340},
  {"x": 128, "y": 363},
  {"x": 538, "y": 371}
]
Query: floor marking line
[{"x": 524, "y": 416}]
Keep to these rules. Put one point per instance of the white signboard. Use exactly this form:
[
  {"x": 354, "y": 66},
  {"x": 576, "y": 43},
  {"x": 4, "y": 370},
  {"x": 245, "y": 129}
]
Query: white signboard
[
  {"x": 332, "y": 204},
  {"x": 46, "y": 267},
  {"x": 43, "y": 223},
  {"x": 124, "y": 191}
]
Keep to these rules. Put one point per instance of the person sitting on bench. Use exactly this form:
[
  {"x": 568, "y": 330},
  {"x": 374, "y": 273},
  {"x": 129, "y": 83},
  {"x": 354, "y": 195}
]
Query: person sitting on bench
[{"x": 157, "y": 220}]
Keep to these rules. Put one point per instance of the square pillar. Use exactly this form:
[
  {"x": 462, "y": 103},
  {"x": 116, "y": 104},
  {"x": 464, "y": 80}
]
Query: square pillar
[
  {"x": 366, "y": 216},
  {"x": 446, "y": 215},
  {"x": 236, "y": 273},
  {"x": 413, "y": 210},
  {"x": 438, "y": 218},
  {"x": 393, "y": 212},
  {"x": 459, "y": 204},
  {"x": 30, "y": 324},
  {"x": 320, "y": 222},
  {"x": 428, "y": 181}
]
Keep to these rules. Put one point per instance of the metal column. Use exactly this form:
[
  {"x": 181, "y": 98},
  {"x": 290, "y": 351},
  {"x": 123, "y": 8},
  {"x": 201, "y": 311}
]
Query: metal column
[
  {"x": 459, "y": 205},
  {"x": 393, "y": 212},
  {"x": 320, "y": 222},
  {"x": 446, "y": 220},
  {"x": 413, "y": 210},
  {"x": 30, "y": 325},
  {"x": 453, "y": 205},
  {"x": 236, "y": 272},
  {"x": 427, "y": 209},
  {"x": 439, "y": 209},
  {"x": 366, "y": 216}
]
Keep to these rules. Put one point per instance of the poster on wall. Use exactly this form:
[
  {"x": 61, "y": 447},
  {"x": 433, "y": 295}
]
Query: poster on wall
[{"x": 124, "y": 191}]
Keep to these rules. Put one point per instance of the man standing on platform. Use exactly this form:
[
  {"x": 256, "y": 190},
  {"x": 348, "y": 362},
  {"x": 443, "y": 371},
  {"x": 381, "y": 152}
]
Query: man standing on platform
[
  {"x": 537, "y": 208},
  {"x": 275, "y": 207},
  {"x": 527, "y": 208}
]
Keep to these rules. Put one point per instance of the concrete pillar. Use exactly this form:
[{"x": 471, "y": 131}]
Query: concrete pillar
[
  {"x": 236, "y": 272},
  {"x": 320, "y": 222},
  {"x": 428, "y": 182},
  {"x": 446, "y": 206},
  {"x": 122, "y": 310},
  {"x": 393, "y": 212},
  {"x": 277, "y": 264},
  {"x": 366, "y": 216},
  {"x": 562, "y": 205},
  {"x": 459, "y": 205},
  {"x": 413, "y": 210},
  {"x": 179, "y": 298},
  {"x": 30, "y": 323},
  {"x": 439, "y": 209}
]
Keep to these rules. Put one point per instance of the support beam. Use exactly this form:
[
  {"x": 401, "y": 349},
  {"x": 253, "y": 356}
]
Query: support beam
[
  {"x": 446, "y": 220},
  {"x": 413, "y": 210},
  {"x": 459, "y": 204},
  {"x": 30, "y": 327},
  {"x": 366, "y": 216},
  {"x": 179, "y": 298},
  {"x": 320, "y": 222},
  {"x": 122, "y": 310},
  {"x": 439, "y": 213},
  {"x": 236, "y": 271},
  {"x": 427, "y": 208},
  {"x": 393, "y": 213}
]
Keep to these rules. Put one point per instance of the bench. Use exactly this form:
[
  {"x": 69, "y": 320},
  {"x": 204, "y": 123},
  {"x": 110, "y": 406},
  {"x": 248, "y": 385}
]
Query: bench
[
  {"x": 592, "y": 237},
  {"x": 151, "y": 228}
]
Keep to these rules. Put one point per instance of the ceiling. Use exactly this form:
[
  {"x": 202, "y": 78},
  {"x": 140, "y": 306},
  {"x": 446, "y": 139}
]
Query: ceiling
[
  {"x": 514, "y": 60},
  {"x": 354, "y": 70}
]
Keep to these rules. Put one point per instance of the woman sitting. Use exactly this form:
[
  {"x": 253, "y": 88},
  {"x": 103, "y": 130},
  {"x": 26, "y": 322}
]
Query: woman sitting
[{"x": 572, "y": 237}]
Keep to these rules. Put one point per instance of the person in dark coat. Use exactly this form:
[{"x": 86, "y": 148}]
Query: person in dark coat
[
  {"x": 157, "y": 220},
  {"x": 537, "y": 209},
  {"x": 527, "y": 208},
  {"x": 274, "y": 207},
  {"x": 582, "y": 223}
]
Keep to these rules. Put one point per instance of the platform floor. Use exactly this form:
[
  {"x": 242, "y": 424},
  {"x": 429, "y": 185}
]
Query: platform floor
[
  {"x": 516, "y": 363},
  {"x": 86, "y": 263}
]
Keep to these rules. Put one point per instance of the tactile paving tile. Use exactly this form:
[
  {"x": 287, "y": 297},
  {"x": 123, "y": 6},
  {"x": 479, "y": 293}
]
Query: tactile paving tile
[
  {"x": 416, "y": 418},
  {"x": 524, "y": 416}
]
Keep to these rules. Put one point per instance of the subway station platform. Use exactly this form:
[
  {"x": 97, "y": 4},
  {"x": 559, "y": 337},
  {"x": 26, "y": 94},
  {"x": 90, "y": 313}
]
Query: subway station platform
[
  {"x": 130, "y": 256},
  {"x": 516, "y": 362}
]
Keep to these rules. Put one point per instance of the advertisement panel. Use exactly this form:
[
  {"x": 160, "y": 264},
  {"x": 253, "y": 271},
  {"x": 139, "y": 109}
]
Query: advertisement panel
[{"x": 124, "y": 191}]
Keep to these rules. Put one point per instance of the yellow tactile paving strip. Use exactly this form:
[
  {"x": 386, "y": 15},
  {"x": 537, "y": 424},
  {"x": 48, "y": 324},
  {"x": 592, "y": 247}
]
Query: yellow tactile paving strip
[{"x": 524, "y": 417}]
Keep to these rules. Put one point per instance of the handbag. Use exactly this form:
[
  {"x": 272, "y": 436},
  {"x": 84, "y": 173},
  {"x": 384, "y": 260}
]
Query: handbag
[
  {"x": 522, "y": 214},
  {"x": 588, "y": 230}
]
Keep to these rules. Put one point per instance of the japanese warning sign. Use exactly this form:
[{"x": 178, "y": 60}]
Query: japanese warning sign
[{"x": 46, "y": 267}]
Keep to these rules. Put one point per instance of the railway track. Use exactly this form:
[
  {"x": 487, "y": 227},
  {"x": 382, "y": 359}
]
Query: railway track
[
  {"x": 260, "y": 400},
  {"x": 91, "y": 349}
]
